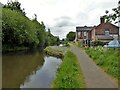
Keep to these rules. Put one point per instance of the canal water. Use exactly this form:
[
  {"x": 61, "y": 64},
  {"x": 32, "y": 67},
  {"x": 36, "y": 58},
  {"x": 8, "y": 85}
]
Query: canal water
[{"x": 29, "y": 70}]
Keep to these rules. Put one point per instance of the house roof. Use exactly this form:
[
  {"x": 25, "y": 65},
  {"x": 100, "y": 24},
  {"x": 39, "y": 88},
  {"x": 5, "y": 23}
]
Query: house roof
[
  {"x": 107, "y": 24},
  {"x": 85, "y": 28},
  {"x": 103, "y": 37}
]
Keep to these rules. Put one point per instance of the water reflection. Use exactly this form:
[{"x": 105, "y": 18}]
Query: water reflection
[
  {"x": 28, "y": 70},
  {"x": 44, "y": 76}
]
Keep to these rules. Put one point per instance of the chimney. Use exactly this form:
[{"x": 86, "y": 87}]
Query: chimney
[{"x": 102, "y": 20}]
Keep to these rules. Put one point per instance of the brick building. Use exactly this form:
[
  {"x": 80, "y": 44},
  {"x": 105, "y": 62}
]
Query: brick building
[
  {"x": 84, "y": 34},
  {"x": 104, "y": 32}
]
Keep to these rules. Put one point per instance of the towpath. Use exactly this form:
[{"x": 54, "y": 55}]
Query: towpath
[{"x": 94, "y": 76}]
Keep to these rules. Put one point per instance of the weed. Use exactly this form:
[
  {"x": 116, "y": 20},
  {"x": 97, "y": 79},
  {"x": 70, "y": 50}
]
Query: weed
[
  {"x": 107, "y": 59},
  {"x": 69, "y": 74}
]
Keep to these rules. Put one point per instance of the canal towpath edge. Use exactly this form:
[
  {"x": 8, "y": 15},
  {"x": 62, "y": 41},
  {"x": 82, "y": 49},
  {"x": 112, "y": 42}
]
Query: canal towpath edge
[{"x": 94, "y": 76}]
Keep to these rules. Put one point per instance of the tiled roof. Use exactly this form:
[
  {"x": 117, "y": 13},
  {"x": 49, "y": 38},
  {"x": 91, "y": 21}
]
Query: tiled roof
[{"x": 103, "y": 37}]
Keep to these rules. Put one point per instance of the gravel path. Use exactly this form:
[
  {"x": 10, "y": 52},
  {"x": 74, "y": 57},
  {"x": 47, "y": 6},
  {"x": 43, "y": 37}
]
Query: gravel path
[{"x": 94, "y": 76}]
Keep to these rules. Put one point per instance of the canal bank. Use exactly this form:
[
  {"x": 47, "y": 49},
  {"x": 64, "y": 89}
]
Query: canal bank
[
  {"x": 69, "y": 74},
  {"x": 38, "y": 70},
  {"x": 56, "y": 51}
]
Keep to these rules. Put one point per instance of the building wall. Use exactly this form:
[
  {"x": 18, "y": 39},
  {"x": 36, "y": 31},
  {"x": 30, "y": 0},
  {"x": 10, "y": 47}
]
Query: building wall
[
  {"x": 83, "y": 35},
  {"x": 100, "y": 29},
  {"x": 93, "y": 35}
]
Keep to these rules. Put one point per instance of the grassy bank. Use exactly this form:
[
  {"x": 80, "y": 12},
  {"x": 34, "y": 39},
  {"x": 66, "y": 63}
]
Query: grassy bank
[
  {"x": 54, "y": 52},
  {"x": 107, "y": 59},
  {"x": 69, "y": 74}
]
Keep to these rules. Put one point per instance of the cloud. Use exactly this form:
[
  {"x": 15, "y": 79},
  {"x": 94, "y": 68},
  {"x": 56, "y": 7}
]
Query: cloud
[
  {"x": 63, "y": 21},
  {"x": 62, "y": 16},
  {"x": 62, "y": 31}
]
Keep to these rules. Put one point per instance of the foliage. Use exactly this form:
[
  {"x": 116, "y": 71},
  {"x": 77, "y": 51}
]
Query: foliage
[
  {"x": 67, "y": 44},
  {"x": 14, "y": 6},
  {"x": 98, "y": 43},
  {"x": 40, "y": 32},
  {"x": 113, "y": 16},
  {"x": 52, "y": 40},
  {"x": 18, "y": 30},
  {"x": 108, "y": 59},
  {"x": 71, "y": 36},
  {"x": 69, "y": 74},
  {"x": 51, "y": 49},
  {"x": 78, "y": 44}
]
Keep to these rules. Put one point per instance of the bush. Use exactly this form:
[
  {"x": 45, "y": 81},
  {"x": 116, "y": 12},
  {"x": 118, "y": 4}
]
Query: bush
[{"x": 99, "y": 43}]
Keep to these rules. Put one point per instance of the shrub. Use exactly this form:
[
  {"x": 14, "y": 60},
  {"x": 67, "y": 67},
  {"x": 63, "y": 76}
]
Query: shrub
[{"x": 99, "y": 43}]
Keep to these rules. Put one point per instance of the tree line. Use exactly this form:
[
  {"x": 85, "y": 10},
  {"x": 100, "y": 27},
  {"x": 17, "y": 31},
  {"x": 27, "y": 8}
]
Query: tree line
[{"x": 19, "y": 31}]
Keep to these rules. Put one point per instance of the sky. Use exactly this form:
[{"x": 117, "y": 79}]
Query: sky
[{"x": 62, "y": 16}]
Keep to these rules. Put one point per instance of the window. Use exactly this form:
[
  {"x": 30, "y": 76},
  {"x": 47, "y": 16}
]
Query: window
[
  {"x": 85, "y": 34},
  {"x": 107, "y": 33},
  {"x": 79, "y": 35}
]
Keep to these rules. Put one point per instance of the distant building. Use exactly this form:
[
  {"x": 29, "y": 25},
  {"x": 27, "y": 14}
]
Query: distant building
[
  {"x": 104, "y": 32},
  {"x": 84, "y": 33}
]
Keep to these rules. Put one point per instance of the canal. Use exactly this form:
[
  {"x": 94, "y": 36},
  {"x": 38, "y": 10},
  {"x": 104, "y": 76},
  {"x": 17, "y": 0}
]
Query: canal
[{"x": 29, "y": 70}]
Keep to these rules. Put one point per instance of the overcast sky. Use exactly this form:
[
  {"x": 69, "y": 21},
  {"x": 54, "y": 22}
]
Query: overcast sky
[{"x": 62, "y": 16}]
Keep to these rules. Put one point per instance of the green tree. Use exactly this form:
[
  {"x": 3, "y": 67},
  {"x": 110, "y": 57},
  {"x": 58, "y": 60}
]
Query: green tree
[
  {"x": 51, "y": 39},
  {"x": 49, "y": 30},
  {"x": 40, "y": 32},
  {"x": 14, "y": 6},
  {"x": 113, "y": 16},
  {"x": 20, "y": 31},
  {"x": 71, "y": 36}
]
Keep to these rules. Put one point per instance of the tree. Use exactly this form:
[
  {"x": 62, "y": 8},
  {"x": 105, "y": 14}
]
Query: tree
[
  {"x": 49, "y": 30},
  {"x": 113, "y": 16},
  {"x": 15, "y": 6},
  {"x": 20, "y": 31},
  {"x": 51, "y": 39},
  {"x": 71, "y": 36}
]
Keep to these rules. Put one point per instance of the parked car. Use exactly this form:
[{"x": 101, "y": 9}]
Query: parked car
[{"x": 113, "y": 44}]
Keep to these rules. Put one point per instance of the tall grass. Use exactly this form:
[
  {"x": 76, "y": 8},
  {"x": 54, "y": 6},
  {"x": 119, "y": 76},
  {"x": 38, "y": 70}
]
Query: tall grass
[
  {"x": 108, "y": 59},
  {"x": 69, "y": 74}
]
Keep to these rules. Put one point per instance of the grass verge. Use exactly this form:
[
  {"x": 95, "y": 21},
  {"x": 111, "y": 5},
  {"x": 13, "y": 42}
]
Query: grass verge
[
  {"x": 69, "y": 74},
  {"x": 107, "y": 59}
]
